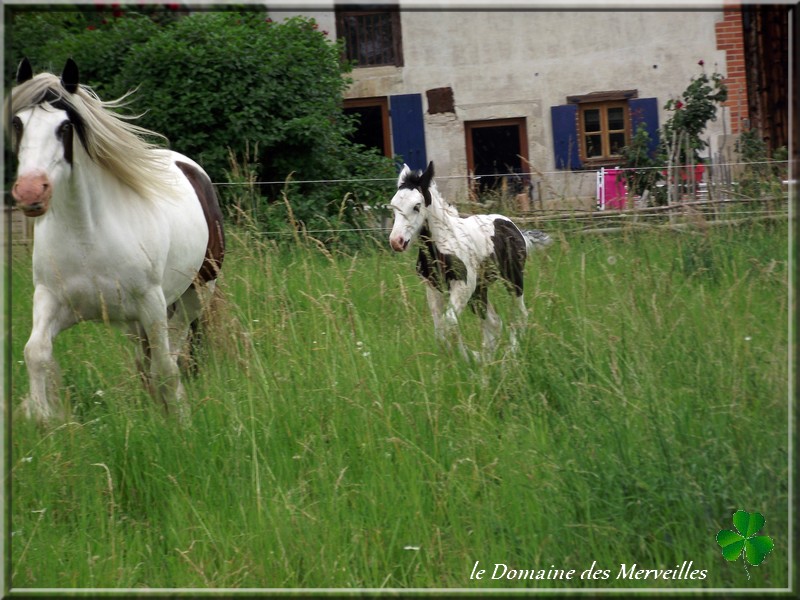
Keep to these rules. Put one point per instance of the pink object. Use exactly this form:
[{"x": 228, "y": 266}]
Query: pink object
[{"x": 613, "y": 195}]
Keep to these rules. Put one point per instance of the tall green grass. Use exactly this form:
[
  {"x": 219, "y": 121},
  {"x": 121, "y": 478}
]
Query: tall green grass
[{"x": 333, "y": 444}]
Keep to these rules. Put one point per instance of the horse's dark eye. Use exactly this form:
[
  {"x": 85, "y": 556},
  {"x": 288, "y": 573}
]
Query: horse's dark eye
[
  {"x": 64, "y": 134},
  {"x": 16, "y": 125},
  {"x": 64, "y": 129},
  {"x": 416, "y": 208}
]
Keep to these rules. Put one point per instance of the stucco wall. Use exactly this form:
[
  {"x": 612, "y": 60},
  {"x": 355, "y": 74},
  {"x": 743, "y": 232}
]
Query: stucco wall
[{"x": 521, "y": 63}]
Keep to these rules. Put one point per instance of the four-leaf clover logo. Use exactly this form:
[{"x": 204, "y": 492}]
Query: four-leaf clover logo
[{"x": 744, "y": 540}]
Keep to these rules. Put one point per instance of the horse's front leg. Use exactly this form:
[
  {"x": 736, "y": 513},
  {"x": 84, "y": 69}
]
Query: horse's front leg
[
  {"x": 139, "y": 337},
  {"x": 436, "y": 305},
  {"x": 49, "y": 318},
  {"x": 164, "y": 372},
  {"x": 492, "y": 327},
  {"x": 520, "y": 321},
  {"x": 460, "y": 293}
]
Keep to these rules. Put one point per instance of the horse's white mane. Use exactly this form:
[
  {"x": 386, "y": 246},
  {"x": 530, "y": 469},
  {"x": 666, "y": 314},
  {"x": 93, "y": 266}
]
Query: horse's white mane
[
  {"x": 110, "y": 140},
  {"x": 444, "y": 204}
]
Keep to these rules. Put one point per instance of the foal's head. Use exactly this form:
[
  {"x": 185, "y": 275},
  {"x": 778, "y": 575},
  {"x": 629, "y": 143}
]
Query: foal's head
[{"x": 410, "y": 205}]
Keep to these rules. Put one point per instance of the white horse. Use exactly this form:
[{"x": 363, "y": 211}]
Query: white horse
[
  {"x": 124, "y": 231},
  {"x": 461, "y": 257}
]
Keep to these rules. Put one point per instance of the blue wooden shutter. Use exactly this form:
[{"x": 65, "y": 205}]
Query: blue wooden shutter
[
  {"x": 645, "y": 110},
  {"x": 408, "y": 129},
  {"x": 565, "y": 136}
]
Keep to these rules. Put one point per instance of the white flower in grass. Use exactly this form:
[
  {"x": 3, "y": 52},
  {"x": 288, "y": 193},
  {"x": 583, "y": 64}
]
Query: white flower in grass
[
  {"x": 747, "y": 338},
  {"x": 612, "y": 260},
  {"x": 415, "y": 548},
  {"x": 99, "y": 393}
]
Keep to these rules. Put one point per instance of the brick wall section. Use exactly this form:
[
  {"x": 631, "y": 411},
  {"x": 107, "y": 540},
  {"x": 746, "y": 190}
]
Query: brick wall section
[{"x": 730, "y": 37}]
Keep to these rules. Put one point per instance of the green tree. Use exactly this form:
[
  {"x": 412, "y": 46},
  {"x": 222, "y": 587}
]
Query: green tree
[
  {"x": 692, "y": 111},
  {"x": 218, "y": 83},
  {"x": 641, "y": 173}
]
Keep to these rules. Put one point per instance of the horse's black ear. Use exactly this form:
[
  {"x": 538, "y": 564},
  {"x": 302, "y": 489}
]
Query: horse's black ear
[
  {"x": 426, "y": 178},
  {"x": 24, "y": 70},
  {"x": 70, "y": 77}
]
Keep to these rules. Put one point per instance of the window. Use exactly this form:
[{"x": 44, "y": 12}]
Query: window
[
  {"x": 372, "y": 130},
  {"x": 603, "y": 126},
  {"x": 604, "y": 130},
  {"x": 495, "y": 150},
  {"x": 371, "y": 34},
  {"x": 591, "y": 130}
]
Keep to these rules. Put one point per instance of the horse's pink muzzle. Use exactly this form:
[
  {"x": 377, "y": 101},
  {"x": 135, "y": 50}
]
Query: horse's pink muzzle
[
  {"x": 32, "y": 193},
  {"x": 398, "y": 244}
]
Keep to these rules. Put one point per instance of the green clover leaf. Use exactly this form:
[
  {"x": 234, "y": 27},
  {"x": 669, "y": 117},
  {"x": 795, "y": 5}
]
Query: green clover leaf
[{"x": 744, "y": 540}]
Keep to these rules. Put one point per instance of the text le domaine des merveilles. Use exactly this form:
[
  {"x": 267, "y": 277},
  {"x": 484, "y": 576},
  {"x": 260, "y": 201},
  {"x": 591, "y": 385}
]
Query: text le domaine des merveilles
[{"x": 683, "y": 571}]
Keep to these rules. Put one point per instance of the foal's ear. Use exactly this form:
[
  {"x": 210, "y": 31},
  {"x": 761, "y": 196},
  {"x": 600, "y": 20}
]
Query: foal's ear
[
  {"x": 404, "y": 173},
  {"x": 70, "y": 77},
  {"x": 426, "y": 178},
  {"x": 24, "y": 70}
]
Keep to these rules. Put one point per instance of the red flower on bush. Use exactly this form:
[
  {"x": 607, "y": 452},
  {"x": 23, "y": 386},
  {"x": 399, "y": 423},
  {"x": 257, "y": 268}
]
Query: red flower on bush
[{"x": 678, "y": 105}]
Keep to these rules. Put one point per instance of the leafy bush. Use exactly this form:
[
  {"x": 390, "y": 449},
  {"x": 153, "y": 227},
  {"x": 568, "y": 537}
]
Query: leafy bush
[
  {"x": 218, "y": 84},
  {"x": 680, "y": 137},
  {"x": 233, "y": 79},
  {"x": 762, "y": 175},
  {"x": 29, "y": 34},
  {"x": 692, "y": 112},
  {"x": 642, "y": 174}
]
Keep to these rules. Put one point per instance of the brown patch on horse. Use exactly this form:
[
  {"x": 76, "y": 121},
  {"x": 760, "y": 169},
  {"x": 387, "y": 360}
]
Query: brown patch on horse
[{"x": 215, "y": 251}]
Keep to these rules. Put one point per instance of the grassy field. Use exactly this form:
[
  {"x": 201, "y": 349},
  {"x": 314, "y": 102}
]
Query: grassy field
[{"x": 333, "y": 444}]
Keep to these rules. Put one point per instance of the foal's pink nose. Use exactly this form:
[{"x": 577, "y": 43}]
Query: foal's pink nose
[{"x": 32, "y": 192}]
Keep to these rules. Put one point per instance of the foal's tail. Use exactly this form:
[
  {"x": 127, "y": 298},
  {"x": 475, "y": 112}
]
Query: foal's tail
[{"x": 536, "y": 240}]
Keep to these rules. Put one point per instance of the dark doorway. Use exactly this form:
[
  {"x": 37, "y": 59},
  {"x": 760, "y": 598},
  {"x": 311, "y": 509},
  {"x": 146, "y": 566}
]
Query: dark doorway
[
  {"x": 496, "y": 150},
  {"x": 373, "y": 123}
]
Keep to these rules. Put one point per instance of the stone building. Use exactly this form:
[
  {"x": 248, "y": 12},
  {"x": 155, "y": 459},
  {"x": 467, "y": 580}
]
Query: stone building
[{"x": 529, "y": 98}]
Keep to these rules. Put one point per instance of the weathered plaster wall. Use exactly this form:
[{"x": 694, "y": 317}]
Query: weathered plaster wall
[{"x": 520, "y": 63}]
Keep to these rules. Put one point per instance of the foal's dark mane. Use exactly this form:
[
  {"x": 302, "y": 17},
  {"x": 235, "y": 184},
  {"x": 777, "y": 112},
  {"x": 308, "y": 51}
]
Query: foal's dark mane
[
  {"x": 417, "y": 180},
  {"x": 412, "y": 181}
]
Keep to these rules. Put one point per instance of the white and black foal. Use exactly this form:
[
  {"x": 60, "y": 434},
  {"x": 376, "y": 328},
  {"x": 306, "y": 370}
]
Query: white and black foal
[{"x": 461, "y": 257}]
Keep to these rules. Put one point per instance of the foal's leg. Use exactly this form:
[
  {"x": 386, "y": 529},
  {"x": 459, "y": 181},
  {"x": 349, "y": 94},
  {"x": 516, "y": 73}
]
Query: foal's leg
[
  {"x": 436, "y": 304},
  {"x": 520, "y": 321},
  {"x": 165, "y": 375},
  {"x": 49, "y": 318},
  {"x": 460, "y": 293},
  {"x": 492, "y": 327}
]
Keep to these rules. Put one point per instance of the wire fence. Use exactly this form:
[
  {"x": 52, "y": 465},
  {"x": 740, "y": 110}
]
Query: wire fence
[
  {"x": 717, "y": 202},
  {"x": 473, "y": 177},
  {"x": 725, "y": 205}
]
